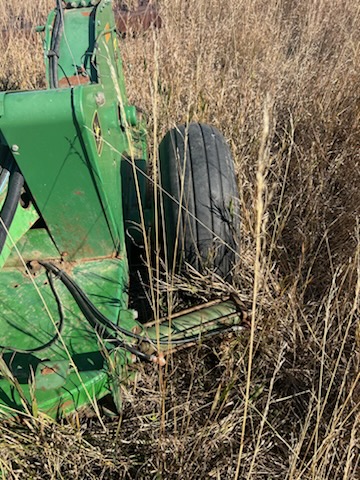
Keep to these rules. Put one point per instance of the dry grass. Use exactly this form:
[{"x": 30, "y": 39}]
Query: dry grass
[{"x": 281, "y": 80}]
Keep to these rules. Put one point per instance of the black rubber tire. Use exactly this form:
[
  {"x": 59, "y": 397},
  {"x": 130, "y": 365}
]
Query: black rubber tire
[{"x": 197, "y": 170}]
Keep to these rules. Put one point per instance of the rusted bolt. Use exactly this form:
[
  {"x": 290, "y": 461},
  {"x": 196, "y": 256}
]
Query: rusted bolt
[{"x": 34, "y": 267}]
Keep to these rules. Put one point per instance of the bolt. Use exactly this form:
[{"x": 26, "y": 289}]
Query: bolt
[
  {"x": 15, "y": 148},
  {"x": 34, "y": 267},
  {"x": 100, "y": 99}
]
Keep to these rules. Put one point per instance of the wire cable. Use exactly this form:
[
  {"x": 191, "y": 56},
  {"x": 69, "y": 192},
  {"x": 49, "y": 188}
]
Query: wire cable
[
  {"x": 92, "y": 314},
  {"x": 87, "y": 307},
  {"x": 53, "y": 53}
]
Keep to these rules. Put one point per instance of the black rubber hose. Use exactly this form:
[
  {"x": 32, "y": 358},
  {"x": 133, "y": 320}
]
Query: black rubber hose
[
  {"x": 93, "y": 315},
  {"x": 5, "y": 170},
  {"x": 16, "y": 182},
  {"x": 87, "y": 309},
  {"x": 53, "y": 54},
  {"x": 3, "y": 177}
]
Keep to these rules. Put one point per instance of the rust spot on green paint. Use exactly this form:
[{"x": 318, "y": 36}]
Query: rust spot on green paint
[
  {"x": 48, "y": 370},
  {"x": 65, "y": 405}
]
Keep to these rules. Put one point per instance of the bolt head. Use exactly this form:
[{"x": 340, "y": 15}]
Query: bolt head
[{"x": 100, "y": 99}]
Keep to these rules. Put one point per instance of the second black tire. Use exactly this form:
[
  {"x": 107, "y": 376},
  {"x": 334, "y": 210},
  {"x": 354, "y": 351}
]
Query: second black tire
[{"x": 200, "y": 198}]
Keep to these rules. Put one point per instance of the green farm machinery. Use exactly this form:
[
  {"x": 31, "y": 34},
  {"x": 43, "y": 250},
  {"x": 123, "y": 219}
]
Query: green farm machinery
[{"x": 74, "y": 195}]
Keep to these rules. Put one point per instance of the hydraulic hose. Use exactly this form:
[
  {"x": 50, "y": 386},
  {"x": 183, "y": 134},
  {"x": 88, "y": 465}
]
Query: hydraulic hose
[
  {"x": 4, "y": 176},
  {"x": 95, "y": 317},
  {"x": 53, "y": 53},
  {"x": 16, "y": 182}
]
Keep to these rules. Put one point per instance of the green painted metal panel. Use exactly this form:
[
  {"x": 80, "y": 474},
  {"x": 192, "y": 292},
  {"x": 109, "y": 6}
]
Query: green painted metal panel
[
  {"x": 69, "y": 144},
  {"x": 23, "y": 220},
  {"x": 203, "y": 320},
  {"x": 61, "y": 347},
  {"x": 58, "y": 170},
  {"x": 25, "y": 324},
  {"x": 35, "y": 245},
  {"x": 77, "y": 48}
]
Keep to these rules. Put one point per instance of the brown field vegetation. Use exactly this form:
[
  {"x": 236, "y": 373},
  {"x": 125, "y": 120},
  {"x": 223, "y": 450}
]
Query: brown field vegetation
[{"x": 281, "y": 80}]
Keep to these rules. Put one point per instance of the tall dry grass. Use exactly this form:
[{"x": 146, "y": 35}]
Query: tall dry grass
[{"x": 281, "y": 80}]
